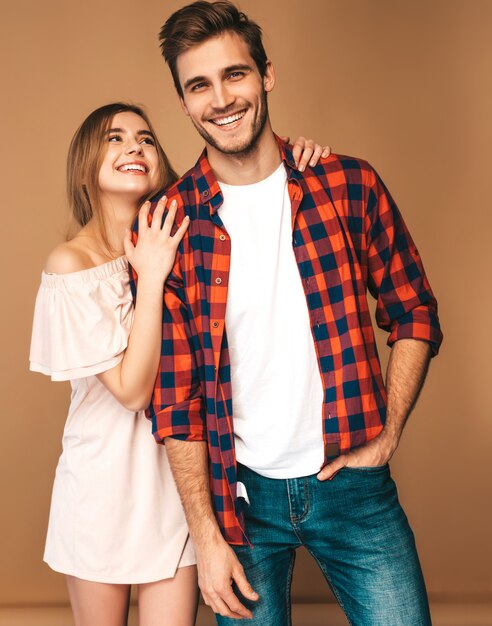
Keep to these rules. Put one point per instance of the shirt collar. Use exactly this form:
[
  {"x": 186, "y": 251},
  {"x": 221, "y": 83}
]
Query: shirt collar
[
  {"x": 288, "y": 159},
  {"x": 209, "y": 188}
]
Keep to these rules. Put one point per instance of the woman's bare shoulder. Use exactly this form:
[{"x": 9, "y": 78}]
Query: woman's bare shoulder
[{"x": 69, "y": 256}]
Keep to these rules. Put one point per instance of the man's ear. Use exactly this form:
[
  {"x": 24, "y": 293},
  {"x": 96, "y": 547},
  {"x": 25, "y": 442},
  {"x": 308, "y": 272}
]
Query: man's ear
[
  {"x": 269, "y": 78},
  {"x": 183, "y": 106}
]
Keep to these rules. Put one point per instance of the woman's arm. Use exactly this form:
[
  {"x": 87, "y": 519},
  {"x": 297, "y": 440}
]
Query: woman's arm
[{"x": 132, "y": 380}]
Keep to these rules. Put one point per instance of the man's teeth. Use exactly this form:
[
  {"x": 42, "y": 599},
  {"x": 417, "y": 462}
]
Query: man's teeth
[
  {"x": 229, "y": 120},
  {"x": 132, "y": 167}
]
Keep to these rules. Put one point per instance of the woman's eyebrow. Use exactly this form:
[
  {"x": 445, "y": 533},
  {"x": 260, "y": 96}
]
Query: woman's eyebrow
[{"x": 122, "y": 130}]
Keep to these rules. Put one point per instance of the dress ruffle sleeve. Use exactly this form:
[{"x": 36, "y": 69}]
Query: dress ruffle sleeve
[{"x": 82, "y": 321}]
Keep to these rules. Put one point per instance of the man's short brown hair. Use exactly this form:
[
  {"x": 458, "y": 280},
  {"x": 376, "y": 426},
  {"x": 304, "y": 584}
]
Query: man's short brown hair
[{"x": 197, "y": 22}]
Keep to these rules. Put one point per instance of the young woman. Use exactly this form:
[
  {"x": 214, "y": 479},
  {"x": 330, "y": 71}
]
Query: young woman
[{"x": 115, "y": 518}]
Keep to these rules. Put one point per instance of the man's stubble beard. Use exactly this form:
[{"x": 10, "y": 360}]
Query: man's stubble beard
[{"x": 251, "y": 144}]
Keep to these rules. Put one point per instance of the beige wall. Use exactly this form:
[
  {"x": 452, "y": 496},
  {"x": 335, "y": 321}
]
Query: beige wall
[{"x": 405, "y": 85}]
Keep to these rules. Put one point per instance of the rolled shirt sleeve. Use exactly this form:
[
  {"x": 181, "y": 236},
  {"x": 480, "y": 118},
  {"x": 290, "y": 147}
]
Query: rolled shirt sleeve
[
  {"x": 177, "y": 407},
  {"x": 406, "y": 306}
]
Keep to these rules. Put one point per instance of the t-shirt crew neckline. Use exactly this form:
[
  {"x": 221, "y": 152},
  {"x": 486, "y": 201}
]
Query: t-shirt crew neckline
[{"x": 264, "y": 181}]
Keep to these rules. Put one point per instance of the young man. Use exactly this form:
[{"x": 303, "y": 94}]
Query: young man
[{"x": 276, "y": 402}]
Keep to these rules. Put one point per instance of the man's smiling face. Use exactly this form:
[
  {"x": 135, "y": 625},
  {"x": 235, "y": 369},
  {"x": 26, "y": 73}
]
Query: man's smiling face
[{"x": 224, "y": 94}]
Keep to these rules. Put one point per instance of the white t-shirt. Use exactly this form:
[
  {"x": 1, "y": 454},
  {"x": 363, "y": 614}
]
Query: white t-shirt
[{"x": 277, "y": 391}]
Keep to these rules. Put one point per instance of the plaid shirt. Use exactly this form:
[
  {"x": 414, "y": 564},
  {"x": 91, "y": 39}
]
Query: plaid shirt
[{"x": 348, "y": 237}]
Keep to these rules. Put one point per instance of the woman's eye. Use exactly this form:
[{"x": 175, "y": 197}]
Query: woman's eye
[
  {"x": 149, "y": 141},
  {"x": 114, "y": 138}
]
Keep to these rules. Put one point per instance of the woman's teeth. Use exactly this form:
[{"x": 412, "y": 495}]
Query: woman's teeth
[{"x": 132, "y": 167}]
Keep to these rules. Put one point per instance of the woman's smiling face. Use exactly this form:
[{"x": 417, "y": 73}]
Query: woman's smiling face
[{"x": 130, "y": 163}]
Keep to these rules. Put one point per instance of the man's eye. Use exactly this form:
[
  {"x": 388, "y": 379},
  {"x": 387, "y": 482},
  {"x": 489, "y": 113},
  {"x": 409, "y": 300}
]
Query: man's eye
[
  {"x": 198, "y": 86},
  {"x": 235, "y": 75}
]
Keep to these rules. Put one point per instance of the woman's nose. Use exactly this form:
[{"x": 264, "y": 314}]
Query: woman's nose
[{"x": 134, "y": 147}]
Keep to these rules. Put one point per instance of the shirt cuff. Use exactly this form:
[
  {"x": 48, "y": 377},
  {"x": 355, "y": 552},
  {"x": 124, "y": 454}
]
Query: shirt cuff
[
  {"x": 420, "y": 323},
  {"x": 184, "y": 421}
]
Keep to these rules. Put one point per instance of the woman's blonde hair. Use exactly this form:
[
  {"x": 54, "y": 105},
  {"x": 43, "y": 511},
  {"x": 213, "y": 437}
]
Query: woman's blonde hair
[{"x": 85, "y": 157}]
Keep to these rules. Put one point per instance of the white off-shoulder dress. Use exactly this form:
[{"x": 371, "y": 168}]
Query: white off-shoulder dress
[{"x": 115, "y": 513}]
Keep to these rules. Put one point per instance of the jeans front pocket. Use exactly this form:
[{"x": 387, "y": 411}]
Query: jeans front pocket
[{"x": 367, "y": 469}]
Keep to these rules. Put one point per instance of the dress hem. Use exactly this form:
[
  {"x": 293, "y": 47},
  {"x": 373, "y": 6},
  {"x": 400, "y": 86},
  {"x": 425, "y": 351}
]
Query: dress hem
[{"x": 130, "y": 580}]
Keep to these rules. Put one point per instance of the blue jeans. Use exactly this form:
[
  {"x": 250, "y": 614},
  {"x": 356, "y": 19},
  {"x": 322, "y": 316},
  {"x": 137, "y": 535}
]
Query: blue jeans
[{"x": 357, "y": 532}]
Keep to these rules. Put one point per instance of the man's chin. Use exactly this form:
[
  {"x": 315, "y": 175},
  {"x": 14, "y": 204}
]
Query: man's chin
[
  {"x": 243, "y": 141},
  {"x": 235, "y": 148},
  {"x": 231, "y": 145}
]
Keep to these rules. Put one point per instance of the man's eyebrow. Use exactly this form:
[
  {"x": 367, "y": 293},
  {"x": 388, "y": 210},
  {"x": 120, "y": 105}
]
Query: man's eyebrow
[
  {"x": 226, "y": 70},
  {"x": 235, "y": 68},
  {"x": 195, "y": 79},
  {"x": 122, "y": 130}
]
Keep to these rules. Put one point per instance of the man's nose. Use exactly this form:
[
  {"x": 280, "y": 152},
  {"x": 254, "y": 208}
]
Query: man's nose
[{"x": 223, "y": 98}]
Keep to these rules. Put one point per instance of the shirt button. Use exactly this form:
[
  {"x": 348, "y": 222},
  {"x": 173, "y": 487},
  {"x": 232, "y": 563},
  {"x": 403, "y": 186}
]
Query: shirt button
[
  {"x": 205, "y": 193},
  {"x": 215, "y": 324},
  {"x": 222, "y": 237},
  {"x": 218, "y": 280}
]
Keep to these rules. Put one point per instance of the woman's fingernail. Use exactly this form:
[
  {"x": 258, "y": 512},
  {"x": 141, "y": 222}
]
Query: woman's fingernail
[{"x": 301, "y": 168}]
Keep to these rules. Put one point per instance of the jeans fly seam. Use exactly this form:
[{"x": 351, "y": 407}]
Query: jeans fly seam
[
  {"x": 330, "y": 582},
  {"x": 307, "y": 507},
  {"x": 292, "y": 516},
  {"x": 307, "y": 493}
]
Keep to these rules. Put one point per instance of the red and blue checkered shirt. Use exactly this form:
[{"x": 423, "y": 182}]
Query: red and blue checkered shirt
[{"x": 348, "y": 238}]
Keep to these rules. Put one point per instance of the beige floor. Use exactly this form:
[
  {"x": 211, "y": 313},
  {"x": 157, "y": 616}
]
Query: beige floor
[{"x": 303, "y": 615}]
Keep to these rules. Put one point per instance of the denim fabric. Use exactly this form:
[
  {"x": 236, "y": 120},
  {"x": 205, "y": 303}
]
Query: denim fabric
[{"x": 355, "y": 529}]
